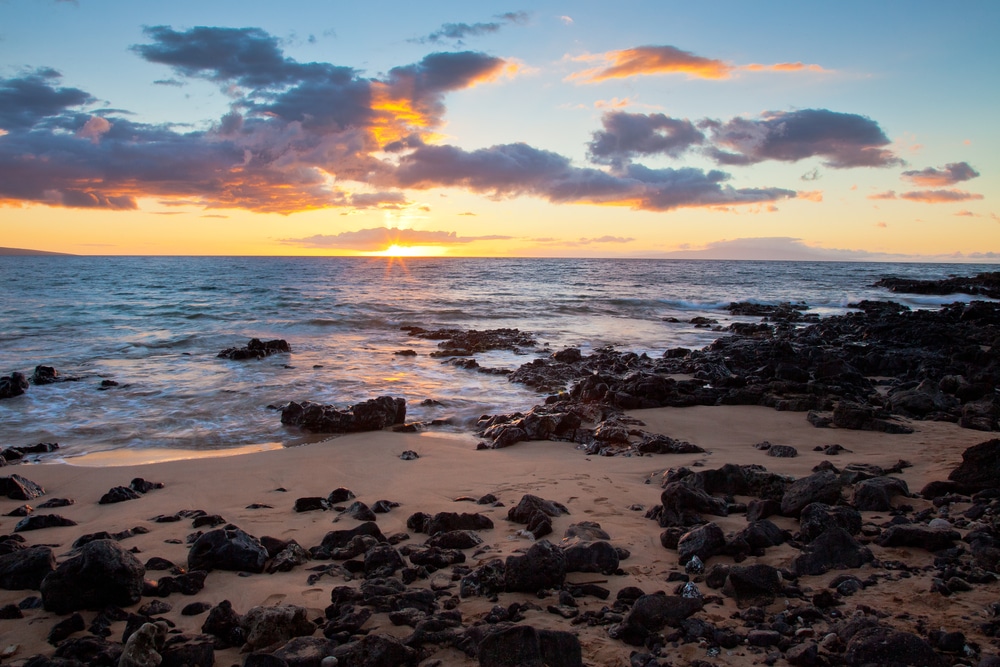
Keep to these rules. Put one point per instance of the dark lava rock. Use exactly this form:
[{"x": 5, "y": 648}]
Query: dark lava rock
[
  {"x": 586, "y": 531},
  {"x": 255, "y": 349},
  {"x": 119, "y": 494},
  {"x": 225, "y": 625},
  {"x": 890, "y": 648},
  {"x": 305, "y": 651},
  {"x": 16, "y": 487},
  {"x": 39, "y": 521},
  {"x": 376, "y": 651},
  {"x": 340, "y": 539},
  {"x": 821, "y": 487},
  {"x": 816, "y": 518},
  {"x": 25, "y": 568},
  {"x": 683, "y": 505},
  {"x": 267, "y": 626},
  {"x": 833, "y": 549},
  {"x": 980, "y": 467},
  {"x": 650, "y": 614},
  {"x": 782, "y": 451},
  {"x": 752, "y": 585},
  {"x": 704, "y": 542},
  {"x": 143, "y": 486},
  {"x": 597, "y": 556},
  {"x": 542, "y": 566},
  {"x": 382, "y": 560},
  {"x": 523, "y": 645},
  {"x": 371, "y": 415},
  {"x": 310, "y": 504},
  {"x": 13, "y": 385},
  {"x": 911, "y": 535},
  {"x": 360, "y": 511},
  {"x": 487, "y": 580},
  {"x": 864, "y": 418},
  {"x": 227, "y": 548},
  {"x": 985, "y": 284},
  {"x": 448, "y": 521},
  {"x": 529, "y": 505},
  {"x": 340, "y": 495},
  {"x": 104, "y": 573},
  {"x": 455, "y": 539},
  {"x": 875, "y": 494}
]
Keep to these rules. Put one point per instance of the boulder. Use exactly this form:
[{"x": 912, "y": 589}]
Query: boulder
[
  {"x": 524, "y": 646},
  {"x": 542, "y": 566},
  {"x": 820, "y": 487},
  {"x": 651, "y": 613},
  {"x": 25, "y": 569},
  {"x": 13, "y": 385},
  {"x": 752, "y": 585},
  {"x": 266, "y": 626},
  {"x": 833, "y": 549},
  {"x": 143, "y": 646},
  {"x": 683, "y": 505},
  {"x": 530, "y": 505},
  {"x": 448, "y": 521},
  {"x": 924, "y": 537},
  {"x": 704, "y": 542},
  {"x": 816, "y": 518},
  {"x": 875, "y": 494},
  {"x": 255, "y": 349},
  {"x": 887, "y": 647},
  {"x": 980, "y": 467},
  {"x": 227, "y": 548},
  {"x": 376, "y": 650},
  {"x": 16, "y": 487},
  {"x": 104, "y": 573},
  {"x": 597, "y": 556}
]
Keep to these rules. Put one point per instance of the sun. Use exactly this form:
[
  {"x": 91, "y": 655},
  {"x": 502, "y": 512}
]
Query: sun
[{"x": 396, "y": 250}]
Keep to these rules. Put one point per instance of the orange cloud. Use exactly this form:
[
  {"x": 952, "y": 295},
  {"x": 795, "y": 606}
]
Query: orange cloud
[
  {"x": 783, "y": 67},
  {"x": 811, "y": 195},
  {"x": 888, "y": 194},
  {"x": 643, "y": 60},
  {"x": 650, "y": 60},
  {"x": 939, "y": 196}
]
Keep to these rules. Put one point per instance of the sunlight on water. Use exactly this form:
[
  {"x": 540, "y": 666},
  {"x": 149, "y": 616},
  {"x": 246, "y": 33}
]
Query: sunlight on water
[{"x": 154, "y": 325}]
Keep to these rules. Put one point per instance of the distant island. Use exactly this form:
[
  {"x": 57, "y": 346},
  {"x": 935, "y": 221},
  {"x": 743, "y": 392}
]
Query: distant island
[{"x": 25, "y": 251}]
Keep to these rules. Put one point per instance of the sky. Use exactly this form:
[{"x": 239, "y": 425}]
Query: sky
[{"x": 724, "y": 129}]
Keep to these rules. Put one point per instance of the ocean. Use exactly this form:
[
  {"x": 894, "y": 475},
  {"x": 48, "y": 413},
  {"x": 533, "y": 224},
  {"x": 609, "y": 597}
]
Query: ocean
[{"x": 155, "y": 325}]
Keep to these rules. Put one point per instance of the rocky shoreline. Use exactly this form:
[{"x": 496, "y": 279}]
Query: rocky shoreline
[{"x": 733, "y": 550}]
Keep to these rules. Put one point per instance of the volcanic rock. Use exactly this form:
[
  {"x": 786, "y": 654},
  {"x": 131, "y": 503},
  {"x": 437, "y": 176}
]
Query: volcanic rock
[
  {"x": 227, "y": 548},
  {"x": 104, "y": 573}
]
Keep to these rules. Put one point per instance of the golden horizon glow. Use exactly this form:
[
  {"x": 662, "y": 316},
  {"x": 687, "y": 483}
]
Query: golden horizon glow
[{"x": 396, "y": 250}]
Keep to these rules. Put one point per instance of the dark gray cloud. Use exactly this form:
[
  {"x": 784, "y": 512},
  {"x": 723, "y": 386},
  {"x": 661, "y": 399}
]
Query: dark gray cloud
[
  {"x": 519, "y": 169},
  {"x": 249, "y": 57},
  {"x": 27, "y": 99},
  {"x": 627, "y": 135},
  {"x": 843, "y": 139},
  {"x": 952, "y": 173},
  {"x": 458, "y": 32}
]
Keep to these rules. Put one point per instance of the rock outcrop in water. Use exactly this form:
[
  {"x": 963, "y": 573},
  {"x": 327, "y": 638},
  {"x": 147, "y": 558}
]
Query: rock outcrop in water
[
  {"x": 939, "y": 365},
  {"x": 256, "y": 349},
  {"x": 983, "y": 284},
  {"x": 371, "y": 415}
]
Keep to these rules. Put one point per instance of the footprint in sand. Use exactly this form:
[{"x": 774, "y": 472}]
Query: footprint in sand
[{"x": 272, "y": 600}]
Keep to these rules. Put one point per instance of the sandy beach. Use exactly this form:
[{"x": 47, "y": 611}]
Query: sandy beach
[{"x": 613, "y": 491}]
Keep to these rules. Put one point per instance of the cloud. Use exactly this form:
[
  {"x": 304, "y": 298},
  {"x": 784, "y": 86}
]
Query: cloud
[
  {"x": 810, "y": 195},
  {"x": 295, "y": 133},
  {"x": 94, "y": 128},
  {"x": 888, "y": 194},
  {"x": 627, "y": 135},
  {"x": 966, "y": 214},
  {"x": 778, "y": 248},
  {"x": 509, "y": 170},
  {"x": 605, "y": 239},
  {"x": 568, "y": 20},
  {"x": 844, "y": 139},
  {"x": 650, "y": 60},
  {"x": 939, "y": 196},
  {"x": 647, "y": 60},
  {"x": 379, "y": 238},
  {"x": 952, "y": 173},
  {"x": 459, "y": 31},
  {"x": 33, "y": 97}
]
